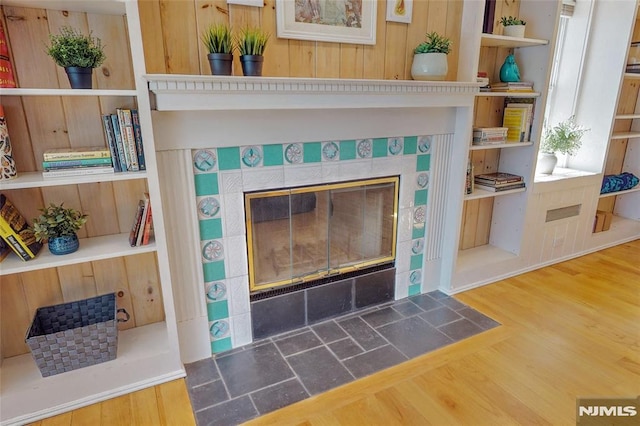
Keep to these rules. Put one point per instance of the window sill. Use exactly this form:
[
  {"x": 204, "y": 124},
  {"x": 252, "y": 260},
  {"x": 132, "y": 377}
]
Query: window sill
[{"x": 565, "y": 179}]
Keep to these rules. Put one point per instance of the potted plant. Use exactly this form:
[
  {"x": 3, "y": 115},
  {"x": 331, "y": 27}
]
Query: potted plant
[
  {"x": 78, "y": 54},
  {"x": 430, "y": 58},
  {"x": 251, "y": 45},
  {"x": 58, "y": 226},
  {"x": 564, "y": 138},
  {"x": 219, "y": 43},
  {"x": 513, "y": 27}
]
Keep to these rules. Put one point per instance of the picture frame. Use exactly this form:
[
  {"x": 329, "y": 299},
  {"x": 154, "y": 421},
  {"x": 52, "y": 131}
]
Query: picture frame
[
  {"x": 337, "y": 21},
  {"x": 399, "y": 11},
  {"x": 254, "y": 3}
]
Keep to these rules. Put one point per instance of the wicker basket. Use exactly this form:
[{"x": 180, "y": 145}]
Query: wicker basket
[{"x": 73, "y": 335}]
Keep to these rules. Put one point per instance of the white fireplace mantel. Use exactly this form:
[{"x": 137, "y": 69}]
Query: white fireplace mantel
[{"x": 196, "y": 92}]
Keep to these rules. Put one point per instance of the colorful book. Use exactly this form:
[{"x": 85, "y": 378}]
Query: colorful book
[
  {"x": 500, "y": 188},
  {"x": 111, "y": 141},
  {"x": 515, "y": 120},
  {"x": 529, "y": 117},
  {"x": 122, "y": 154},
  {"x": 145, "y": 217},
  {"x": 137, "y": 133},
  {"x": 6, "y": 70},
  {"x": 135, "y": 226},
  {"x": 4, "y": 249},
  {"x": 148, "y": 228},
  {"x": 15, "y": 230},
  {"x": 57, "y": 154},
  {"x": 70, "y": 164},
  {"x": 78, "y": 171},
  {"x": 498, "y": 177},
  {"x": 128, "y": 138}
]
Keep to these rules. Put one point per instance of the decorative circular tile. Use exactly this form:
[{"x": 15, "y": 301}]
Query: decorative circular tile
[
  {"x": 219, "y": 329},
  {"x": 415, "y": 277},
  {"x": 216, "y": 291},
  {"x": 423, "y": 180},
  {"x": 417, "y": 246},
  {"x": 365, "y": 148},
  {"x": 419, "y": 215},
  {"x": 330, "y": 151},
  {"x": 293, "y": 153},
  {"x": 424, "y": 143},
  {"x": 204, "y": 160},
  {"x": 212, "y": 250},
  {"x": 208, "y": 207},
  {"x": 395, "y": 146},
  {"x": 251, "y": 156}
]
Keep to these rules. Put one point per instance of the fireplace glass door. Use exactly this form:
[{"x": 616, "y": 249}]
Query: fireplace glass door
[{"x": 301, "y": 234}]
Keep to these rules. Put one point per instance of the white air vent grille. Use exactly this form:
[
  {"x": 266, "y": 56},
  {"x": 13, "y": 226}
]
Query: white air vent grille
[{"x": 563, "y": 213}]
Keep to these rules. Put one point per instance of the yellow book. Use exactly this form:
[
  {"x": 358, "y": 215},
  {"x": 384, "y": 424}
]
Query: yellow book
[
  {"x": 16, "y": 232},
  {"x": 515, "y": 119}
]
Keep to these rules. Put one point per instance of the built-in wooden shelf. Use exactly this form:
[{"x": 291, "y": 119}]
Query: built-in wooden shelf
[
  {"x": 632, "y": 75},
  {"x": 627, "y": 116},
  {"x": 613, "y": 194},
  {"x": 509, "y": 94},
  {"x": 500, "y": 146},
  {"x": 109, "y": 7},
  {"x": 494, "y": 40},
  {"x": 481, "y": 193},
  {"x": 625, "y": 135},
  {"x": 66, "y": 92}
]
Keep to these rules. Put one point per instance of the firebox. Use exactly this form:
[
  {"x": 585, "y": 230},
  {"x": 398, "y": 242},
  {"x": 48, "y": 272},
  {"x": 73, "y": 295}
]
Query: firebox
[{"x": 301, "y": 234}]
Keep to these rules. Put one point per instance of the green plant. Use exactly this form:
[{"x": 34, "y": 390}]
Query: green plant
[
  {"x": 252, "y": 41},
  {"x": 434, "y": 43},
  {"x": 217, "y": 39},
  {"x": 56, "y": 221},
  {"x": 565, "y": 137},
  {"x": 511, "y": 20},
  {"x": 71, "y": 48}
]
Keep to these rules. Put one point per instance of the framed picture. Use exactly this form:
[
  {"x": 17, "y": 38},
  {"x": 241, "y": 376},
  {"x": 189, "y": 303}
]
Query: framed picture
[
  {"x": 254, "y": 3},
  {"x": 339, "y": 21},
  {"x": 399, "y": 11}
]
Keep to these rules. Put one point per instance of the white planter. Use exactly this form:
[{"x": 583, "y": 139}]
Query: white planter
[
  {"x": 429, "y": 66},
  {"x": 514, "y": 31},
  {"x": 546, "y": 163}
]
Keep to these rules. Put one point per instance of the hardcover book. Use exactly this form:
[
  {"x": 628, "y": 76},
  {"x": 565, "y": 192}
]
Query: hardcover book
[
  {"x": 57, "y": 154},
  {"x": 15, "y": 230},
  {"x": 498, "y": 177}
]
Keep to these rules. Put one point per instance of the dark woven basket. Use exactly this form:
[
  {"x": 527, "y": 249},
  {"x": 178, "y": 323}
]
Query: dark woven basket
[{"x": 73, "y": 335}]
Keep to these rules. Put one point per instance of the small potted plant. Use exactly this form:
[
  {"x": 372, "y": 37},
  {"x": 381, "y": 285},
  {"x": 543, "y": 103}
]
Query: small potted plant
[
  {"x": 563, "y": 138},
  {"x": 251, "y": 45},
  {"x": 58, "y": 226},
  {"x": 513, "y": 27},
  {"x": 430, "y": 58},
  {"x": 78, "y": 54},
  {"x": 219, "y": 43}
]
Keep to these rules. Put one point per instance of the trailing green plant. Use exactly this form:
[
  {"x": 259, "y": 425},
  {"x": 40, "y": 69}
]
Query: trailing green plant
[
  {"x": 252, "y": 41},
  {"x": 71, "y": 48},
  {"x": 511, "y": 20},
  {"x": 434, "y": 43},
  {"x": 217, "y": 39},
  {"x": 56, "y": 221},
  {"x": 564, "y": 138}
]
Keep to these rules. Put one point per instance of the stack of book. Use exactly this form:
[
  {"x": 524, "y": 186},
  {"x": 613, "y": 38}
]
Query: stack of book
[
  {"x": 498, "y": 181},
  {"x": 518, "y": 119},
  {"x": 64, "y": 162},
  {"x": 483, "y": 79},
  {"x": 124, "y": 139},
  {"x": 513, "y": 86},
  {"x": 142, "y": 227},
  {"x": 489, "y": 135}
]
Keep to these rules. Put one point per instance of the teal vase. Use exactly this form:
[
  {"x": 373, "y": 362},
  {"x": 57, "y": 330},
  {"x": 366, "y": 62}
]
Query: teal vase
[
  {"x": 509, "y": 71},
  {"x": 64, "y": 244}
]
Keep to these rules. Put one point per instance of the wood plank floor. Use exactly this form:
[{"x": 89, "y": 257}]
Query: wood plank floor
[{"x": 569, "y": 330}]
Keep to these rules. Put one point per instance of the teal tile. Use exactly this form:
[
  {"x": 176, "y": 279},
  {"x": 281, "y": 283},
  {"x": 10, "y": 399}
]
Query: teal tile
[
  {"x": 347, "y": 150},
  {"x": 221, "y": 345},
  {"x": 410, "y": 145},
  {"x": 229, "y": 158},
  {"x": 312, "y": 152},
  {"x": 423, "y": 163},
  {"x": 210, "y": 229},
  {"x": 417, "y": 232},
  {"x": 380, "y": 147},
  {"x": 419, "y": 199},
  {"x": 416, "y": 262},
  {"x": 206, "y": 184},
  {"x": 213, "y": 271},
  {"x": 217, "y": 310},
  {"x": 414, "y": 289},
  {"x": 272, "y": 155}
]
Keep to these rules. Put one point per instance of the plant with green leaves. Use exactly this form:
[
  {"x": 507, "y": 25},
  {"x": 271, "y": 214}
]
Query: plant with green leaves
[
  {"x": 72, "y": 48},
  {"x": 56, "y": 221},
  {"x": 434, "y": 43},
  {"x": 507, "y": 21},
  {"x": 217, "y": 39},
  {"x": 252, "y": 41},
  {"x": 564, "y": 138}
]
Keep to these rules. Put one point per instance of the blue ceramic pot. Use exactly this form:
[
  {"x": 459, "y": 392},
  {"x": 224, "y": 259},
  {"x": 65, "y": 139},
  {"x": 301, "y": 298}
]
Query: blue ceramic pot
[{"x": 64, "y": 245}]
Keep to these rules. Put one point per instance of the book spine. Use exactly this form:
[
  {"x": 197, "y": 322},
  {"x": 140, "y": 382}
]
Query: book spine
[
  {"x": 128, "y": 138},
  {"x": 85, "y": 162},
  {"x": 143, "y": 222},
  {"x": 137, "y": 132},
  {"x": 135, "y": 227},
  {"x": 14, "y": 230},
  {"x": 6, "y": 71},
  {"x": 147, "y": 227},
  {"x": 111, "y": 141},
  {"x": 122, "y": 155},
  {"x": 76, "y": 155},
  {"x": 78, "y": 171}
]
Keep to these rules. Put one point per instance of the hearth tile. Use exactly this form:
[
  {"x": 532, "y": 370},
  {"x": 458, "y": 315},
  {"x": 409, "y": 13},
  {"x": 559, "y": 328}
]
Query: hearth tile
[
  {"x": 380, "y": 147},
  {"x": 381, "y": 317},
  {"x": 298, "y": 343},
  {"x": 460, "y": 329},
  {"x": 437, "y": 294},
  {"x": 253, "y": 369},
  {"x": 273, "y": 155},
  {"x": 206, "y": 184},
  {"x": 241, "y": 326},
  {"x": 232, "y": 221},
  {"x": 231, "y": 182},
  {"x": 413, "y": 336},
  {"x": 262, "y": 179},
  {"x": 440, "y": 316},
  {"x": 425, "y": 302},
  {"x": 348, "y": 150},
  {"x": 345, "y": 348},
  {"x": 238, "y": 295},
  {"x": 364, "y": 335},
  {"x": 210, "y": 228},
  {"x": 375, "y": 288},
  {"x": 236, "y": 266},
  {"x": 319, "y": 370},
  {"x": 230, "y": 413},
  {"x": 213, "y": 271},
  {"x": 329, "y": 331},
  {"x": 482, "y": 320},
  {"x": 407, "y": 308},
  {"x": 420, "y": 197},
  {"x": 414, "y": 289},
  {"x": 206, "y": 395},
  {"x": 329, "y": 300},
  {"x": 312, "y": 152},
  {"x": 288, "y": 334},
  {"x": 410, "y": 145},
  {"x": 229, "y": 158},
  {"x": 277, "y": 314},
  {"x": 423, "y": 162},
  {"x": 370, "y": 362},
  {"x": 201, "y": 372},
  {"x": 278, "y": 396},
  {"x": 452, "y": 303}
]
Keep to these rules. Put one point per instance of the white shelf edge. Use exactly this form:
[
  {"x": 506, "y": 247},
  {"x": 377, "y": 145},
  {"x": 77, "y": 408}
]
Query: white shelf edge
[
  {"x": 110, "y": 7},
  {"x": 35, "y": 179},
  {"x": 500, "y": 146},
  {"x": 613, "y": 194},
  {"x": 626, "y": 116},
  {"x": 625, "y": 135},
  {"x": 67, "y": 92},
  {"x": 145, "y": 358},
  {"x": 509, "y": 94},
  {"x": 632, "y": 75},
  {"x": 495, "y": 40},
  {"x": 91, "y": 249},
  {"x": 481, "y": 193}
]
